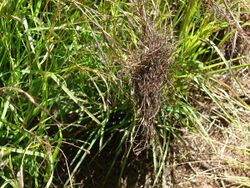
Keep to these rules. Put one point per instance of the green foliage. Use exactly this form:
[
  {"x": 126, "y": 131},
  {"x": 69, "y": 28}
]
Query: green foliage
[{"x": 65, "y": 95}]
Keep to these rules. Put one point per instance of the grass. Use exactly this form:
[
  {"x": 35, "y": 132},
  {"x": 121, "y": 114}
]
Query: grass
[{"x": 127, "y": 88}]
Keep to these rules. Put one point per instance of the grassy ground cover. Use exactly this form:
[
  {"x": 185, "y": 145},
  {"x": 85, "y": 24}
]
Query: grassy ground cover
[{"x": 116, "y": 93}]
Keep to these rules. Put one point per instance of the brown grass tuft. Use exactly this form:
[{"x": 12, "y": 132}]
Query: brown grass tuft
[{"x": 148, "y": 70}]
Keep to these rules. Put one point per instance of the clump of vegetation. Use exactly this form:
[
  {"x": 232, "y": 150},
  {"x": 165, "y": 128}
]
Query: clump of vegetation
[
  {"x": 124, "y": 93},
  {"x": 149, "y": 67}
]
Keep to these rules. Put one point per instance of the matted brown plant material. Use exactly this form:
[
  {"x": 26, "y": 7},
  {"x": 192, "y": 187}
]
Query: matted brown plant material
[{"x": 148, "y": 68}]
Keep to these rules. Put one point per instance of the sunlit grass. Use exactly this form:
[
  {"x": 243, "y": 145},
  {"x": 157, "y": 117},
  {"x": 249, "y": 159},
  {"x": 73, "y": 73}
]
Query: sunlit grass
[{"x": 67, "y": 99}]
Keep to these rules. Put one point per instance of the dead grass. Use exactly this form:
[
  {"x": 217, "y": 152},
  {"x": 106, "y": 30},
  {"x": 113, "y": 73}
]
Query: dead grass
[
  {"x": 219, "y": 157},
  {"x": 213, "y": 162},
  {"x": 148, "y": 67}
]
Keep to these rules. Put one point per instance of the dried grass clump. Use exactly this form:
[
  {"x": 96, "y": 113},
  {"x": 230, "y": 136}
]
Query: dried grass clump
[{"x": 148, "y": 72}]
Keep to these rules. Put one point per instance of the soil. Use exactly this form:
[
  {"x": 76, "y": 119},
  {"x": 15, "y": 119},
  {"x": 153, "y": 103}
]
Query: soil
[{"x": 208, "y": 163}]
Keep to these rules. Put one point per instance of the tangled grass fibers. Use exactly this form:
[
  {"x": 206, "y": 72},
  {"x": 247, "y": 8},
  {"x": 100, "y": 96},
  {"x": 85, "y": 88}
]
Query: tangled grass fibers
[{"x": 148, "y": 73}]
